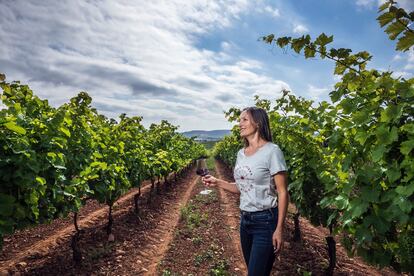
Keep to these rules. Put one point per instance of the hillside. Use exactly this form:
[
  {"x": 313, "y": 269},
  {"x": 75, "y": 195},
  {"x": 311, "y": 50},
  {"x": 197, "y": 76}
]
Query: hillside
[{"x": 207, "y": 135}]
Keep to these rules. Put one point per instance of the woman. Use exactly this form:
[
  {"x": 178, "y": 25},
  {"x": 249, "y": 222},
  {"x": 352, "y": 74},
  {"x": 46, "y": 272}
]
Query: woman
[{"x": 260, "y": 175}]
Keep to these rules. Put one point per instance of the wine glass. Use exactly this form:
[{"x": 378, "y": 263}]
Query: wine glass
[{"x": 202, "y": 171}]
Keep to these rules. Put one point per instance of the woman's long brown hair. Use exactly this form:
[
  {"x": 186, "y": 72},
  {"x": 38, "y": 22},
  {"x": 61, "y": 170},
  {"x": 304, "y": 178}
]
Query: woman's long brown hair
[{"x": 260, "y": 117}]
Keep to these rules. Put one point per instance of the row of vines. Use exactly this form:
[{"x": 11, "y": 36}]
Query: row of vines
[
  {"x": 351, "y": 162},
  {"x": 52, "y": 160}
]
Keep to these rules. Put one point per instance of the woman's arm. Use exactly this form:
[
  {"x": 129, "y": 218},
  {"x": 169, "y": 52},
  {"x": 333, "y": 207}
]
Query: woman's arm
[
  {"x": 211, "y": 181},
  {"x": 283, "y": 201}
]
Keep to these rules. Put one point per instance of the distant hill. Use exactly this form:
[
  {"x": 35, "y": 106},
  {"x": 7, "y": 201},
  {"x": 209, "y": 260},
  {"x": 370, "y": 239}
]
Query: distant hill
[{"x": 207, "y": 135}]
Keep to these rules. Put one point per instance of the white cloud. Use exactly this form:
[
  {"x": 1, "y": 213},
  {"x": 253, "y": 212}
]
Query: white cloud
[
  {"x": 134, "y": 57},
  {"x": 227, "y": 48},
  {"x": 272, "y": 11},
  {"x": 337, "y": 78},
  {"x": 402, "y": 63},
  {"x": 402, "y": 74},
  {"x": 271, "y": 91},
  {"x": 300, "y": 29},
  {"x": 263, "y": 8},
  {"x": 410, "y": 60},
  {"x": 366, "y": 3},
  {"x": 397, "y": 57},
  {"x": 318, "y": 94},
  {"x": 408, "y": 5}
]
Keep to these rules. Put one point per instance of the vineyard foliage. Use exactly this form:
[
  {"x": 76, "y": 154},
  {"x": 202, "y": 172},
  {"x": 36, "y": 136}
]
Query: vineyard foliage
[
  {"x": 351, "y": 162},
  {"x": 53, "y": 159}
]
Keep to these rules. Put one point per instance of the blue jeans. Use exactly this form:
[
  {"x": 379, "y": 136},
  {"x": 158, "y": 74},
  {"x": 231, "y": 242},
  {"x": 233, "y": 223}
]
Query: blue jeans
[{"x": 256, "y": 231}]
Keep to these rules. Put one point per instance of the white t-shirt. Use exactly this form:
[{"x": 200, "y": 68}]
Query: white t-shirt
[{"x": 253, "y": 175}]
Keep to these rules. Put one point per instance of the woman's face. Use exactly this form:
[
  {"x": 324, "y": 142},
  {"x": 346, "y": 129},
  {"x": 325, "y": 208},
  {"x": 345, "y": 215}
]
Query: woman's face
[{"x": 246, "y": 124}]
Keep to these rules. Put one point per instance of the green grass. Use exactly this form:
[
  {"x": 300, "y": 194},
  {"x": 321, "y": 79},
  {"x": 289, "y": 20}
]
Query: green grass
[
  {"x": 210, "y": 163},
  {"x": 197, "y": 240},
  {"x": 206, "y": 199},
  {"x": 220, "y": 268},
  {"x": 191, "y": 214},
  {"x": 204, "y": 256}
]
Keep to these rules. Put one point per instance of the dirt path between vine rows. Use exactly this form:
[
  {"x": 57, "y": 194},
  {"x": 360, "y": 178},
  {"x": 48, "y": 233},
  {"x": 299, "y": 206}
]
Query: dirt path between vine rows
[
  {"x": 56, "y": 237},
  {"x": 205, "y": 240},
  {"x": 19, "y": 245},
  {"x": 151, "y": 230},
  {"x": 231, "y": 211},
  {"x": 166, "y": 231}
]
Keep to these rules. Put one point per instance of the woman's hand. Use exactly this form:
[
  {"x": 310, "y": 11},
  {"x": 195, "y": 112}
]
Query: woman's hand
[
  {"x": 209, "y": 181},
  {"x": 277, "y": 240}
]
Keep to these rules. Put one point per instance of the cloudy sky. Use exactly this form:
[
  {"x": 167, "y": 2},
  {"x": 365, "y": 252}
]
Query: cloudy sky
[{"x": 182, "y": 60}]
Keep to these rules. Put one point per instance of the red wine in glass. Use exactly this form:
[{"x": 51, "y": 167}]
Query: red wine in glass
[
  {"x": 202, "y": 172},
  {"x": 201, "y": 167}
]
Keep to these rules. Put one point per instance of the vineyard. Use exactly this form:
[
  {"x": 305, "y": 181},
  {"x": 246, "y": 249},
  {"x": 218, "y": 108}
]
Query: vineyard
[
  {"x": 82, "y": 193},
  {"x": 351, "y": 163},
  {"x": 56, "y": 159}
]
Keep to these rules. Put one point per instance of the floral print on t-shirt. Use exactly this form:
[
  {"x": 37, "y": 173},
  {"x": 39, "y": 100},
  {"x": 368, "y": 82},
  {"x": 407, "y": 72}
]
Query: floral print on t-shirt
[{"x": 244, "y": 178}]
